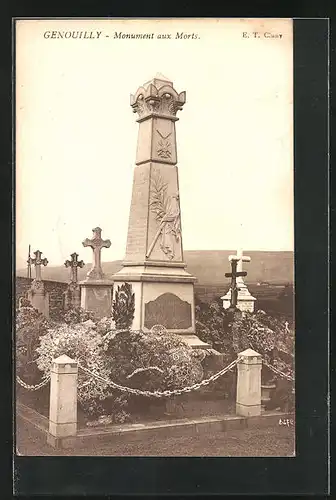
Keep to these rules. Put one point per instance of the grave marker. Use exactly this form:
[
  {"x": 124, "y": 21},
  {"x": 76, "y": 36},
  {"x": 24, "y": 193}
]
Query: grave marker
[
  {"x": 72, "y": 294},
  {"x": 37, "y": 295},
  {"x": 238, "y": 296},
  {"x": 97, "y": 244},
  {"x": 96, "y": 289}
]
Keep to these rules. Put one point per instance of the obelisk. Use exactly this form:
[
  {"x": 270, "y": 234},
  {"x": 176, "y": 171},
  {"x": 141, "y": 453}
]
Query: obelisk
[{"x": 154, "y": 265}]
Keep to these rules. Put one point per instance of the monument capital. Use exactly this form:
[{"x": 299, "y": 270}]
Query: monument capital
[{"x": 157, "y": 98}]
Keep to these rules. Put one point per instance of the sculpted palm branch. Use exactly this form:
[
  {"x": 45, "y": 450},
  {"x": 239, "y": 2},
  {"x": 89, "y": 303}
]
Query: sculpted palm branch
[{"x": 158, "y": 197}]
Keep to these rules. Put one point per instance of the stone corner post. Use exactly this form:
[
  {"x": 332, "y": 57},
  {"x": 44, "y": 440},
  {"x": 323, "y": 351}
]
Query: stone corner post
[
  {"x": 248, "y": 400},
  {"x": 63, "y": 398}
]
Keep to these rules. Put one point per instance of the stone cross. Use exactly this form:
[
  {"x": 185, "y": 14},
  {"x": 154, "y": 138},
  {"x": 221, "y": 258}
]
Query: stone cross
[
  {"x": 96, "y": 243},
  {"x": 240, "y": 259},
  {"x": 38, "y": 261},
  {"x": 234, "y": 259},
  {"x": 74, "y": 264}
]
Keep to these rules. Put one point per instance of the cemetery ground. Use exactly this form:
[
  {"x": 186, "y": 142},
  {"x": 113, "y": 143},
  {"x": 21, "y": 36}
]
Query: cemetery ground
[
  {"x": 154, "y": 361},
  {"x": 276, "y": 441}
]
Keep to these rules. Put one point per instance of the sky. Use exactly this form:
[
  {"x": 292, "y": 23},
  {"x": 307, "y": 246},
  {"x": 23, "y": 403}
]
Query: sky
[{"x": 76, "y": 133}]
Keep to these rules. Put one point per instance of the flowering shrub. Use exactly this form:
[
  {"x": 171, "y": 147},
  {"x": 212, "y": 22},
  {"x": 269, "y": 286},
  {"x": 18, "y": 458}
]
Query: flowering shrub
[
  {"x": 212, "y": 325},
  {"x": 231, "y": 333},
  {"x": 147, "y": 361},
  {"x": 153, "y": 361},
  {"x": 30, "y": 326},
  {"x": 268, "y": 336},
  {"x": 77, "y": 315},
  {"x": 85, "y": 344}
]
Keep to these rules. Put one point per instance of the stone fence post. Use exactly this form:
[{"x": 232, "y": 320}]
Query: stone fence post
[
  {"x": 248, "y": 400},
  {"x": 63, "y": 399}
]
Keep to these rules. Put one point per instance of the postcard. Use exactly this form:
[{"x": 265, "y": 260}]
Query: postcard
[{"x": 154, "y": 200}]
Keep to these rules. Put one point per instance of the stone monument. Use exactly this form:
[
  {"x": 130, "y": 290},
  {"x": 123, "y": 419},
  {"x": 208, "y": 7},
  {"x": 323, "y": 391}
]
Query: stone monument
[
  {"x": 245, "y": 301},
  {"x": 72, "y": 295},
  {"x": 37, "y": 295},
  {"x": 96, "y": 289},
  {"x": 154, "y": 263}
]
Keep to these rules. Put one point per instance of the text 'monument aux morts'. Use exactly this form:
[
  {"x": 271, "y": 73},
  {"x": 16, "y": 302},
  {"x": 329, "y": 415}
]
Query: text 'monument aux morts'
[{"x": 95, "y": 34}]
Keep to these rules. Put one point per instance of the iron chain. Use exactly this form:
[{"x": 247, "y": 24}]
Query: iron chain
[
  {"x": 278, "y": 372},
  {"x": 33, "y": 387},
  {"x": 160, "y": 394},
  {"x": 157, "y": 394}
]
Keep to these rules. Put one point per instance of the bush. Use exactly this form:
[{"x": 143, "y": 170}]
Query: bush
[
  {"x": 30, "y": 326},
  {"x": 148, "y": 361},
  {"x": 123, "y": 307},
  {"x": 174, "y": 364},
  {"x": 231, "y": 333},
  {"x": 152, "y": 361},
  {"x": 78, "y": 315},
  {"x": 213, "y": 324},
  {"x": 85, "y": 344}
]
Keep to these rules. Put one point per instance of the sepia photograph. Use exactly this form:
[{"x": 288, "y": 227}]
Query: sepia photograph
[{"x": 154, "y": 253}]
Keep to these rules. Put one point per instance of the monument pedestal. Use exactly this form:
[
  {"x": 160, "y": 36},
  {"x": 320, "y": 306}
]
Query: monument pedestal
[
  {"x": 39, "y": 298},
  {"x": 245, "y": 301},
  {"x": 163, "y": 296},
  {"x": 96, "y": 296},
  {"x": 72, "y": 297}
]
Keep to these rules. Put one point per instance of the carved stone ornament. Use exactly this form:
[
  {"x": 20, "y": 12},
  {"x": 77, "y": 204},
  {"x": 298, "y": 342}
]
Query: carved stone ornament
[
  {"x": 164, "y": 149},
  {"x": 167, "y": 214},
  {"x": 37, "y": 286},
  {"x": 162, "y": 101},
  {"x": 73, "y": 286}
]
